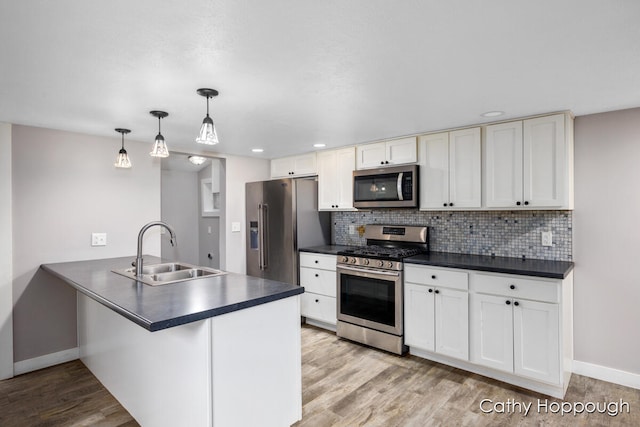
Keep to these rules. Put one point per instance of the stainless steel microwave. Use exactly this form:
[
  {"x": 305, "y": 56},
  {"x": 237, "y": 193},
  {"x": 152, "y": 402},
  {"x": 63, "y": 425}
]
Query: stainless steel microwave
[{"x": 389, "y": 187}]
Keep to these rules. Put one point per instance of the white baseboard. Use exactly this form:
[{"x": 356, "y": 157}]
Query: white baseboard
[
  {"x": 45, "y": 361},
  {"x": 616, "y": 376}
]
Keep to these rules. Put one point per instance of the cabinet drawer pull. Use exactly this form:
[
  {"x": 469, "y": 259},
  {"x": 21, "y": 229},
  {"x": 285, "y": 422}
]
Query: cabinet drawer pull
[
  {"x": 433, "y": 276},
  {"x": 512, "y": 286},
  {"x": 526, "y": 203},
  {"x": 317, "y": 275},
  {"x": 516, "y": 303},
  {"x": 450, "y": 204},
  {"x": 518, "y": 203},
  {"x": 316, "y": 261},
  {"x": 430, "y": 290},
  {"x": 508, "y": 302},
  {"x": 317, "y": 300},
  {"x": 437, "y": 291}
]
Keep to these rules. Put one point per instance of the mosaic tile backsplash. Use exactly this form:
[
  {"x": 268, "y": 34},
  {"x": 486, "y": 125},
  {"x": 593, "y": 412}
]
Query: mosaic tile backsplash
[{"x": 497, "y": 233}]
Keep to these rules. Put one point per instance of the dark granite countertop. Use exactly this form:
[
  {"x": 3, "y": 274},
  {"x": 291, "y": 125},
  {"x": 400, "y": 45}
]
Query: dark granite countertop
[
  {"x": 160, "y": 307},
  {"x": 527, "y": 267},
  {"x": 326, "y": 249}
]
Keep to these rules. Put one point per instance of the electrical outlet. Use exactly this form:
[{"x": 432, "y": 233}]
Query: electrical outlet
[
  {"x": 547, "y": 238},
  {"x": 98, "y": 239},
  {"x": 235, "y": 227},
  {"x": 352, "y": 229}
]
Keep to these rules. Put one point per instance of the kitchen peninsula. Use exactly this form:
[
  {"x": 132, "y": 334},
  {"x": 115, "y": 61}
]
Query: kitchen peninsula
[{"x": 215, "y": 351}]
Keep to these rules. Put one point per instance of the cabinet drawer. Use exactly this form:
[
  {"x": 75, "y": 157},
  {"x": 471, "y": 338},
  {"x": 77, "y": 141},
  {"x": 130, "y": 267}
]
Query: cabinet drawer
[
  {"x": 318, "y": 281},
  {"x": 436, "y": 277},
  {"x": 324, "y": 262},
  {"x": 516, "y": 287},
  {"x": 318, "y": 307}
]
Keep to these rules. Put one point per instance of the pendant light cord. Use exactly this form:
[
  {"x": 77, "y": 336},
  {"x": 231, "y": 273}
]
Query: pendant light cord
[
  {"x": 122, "y": 140},
  {"x": 208, "y": 106}
]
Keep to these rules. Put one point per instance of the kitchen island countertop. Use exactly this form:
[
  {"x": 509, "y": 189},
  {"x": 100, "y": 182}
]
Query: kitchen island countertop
[{"x": 161, "y": 307}]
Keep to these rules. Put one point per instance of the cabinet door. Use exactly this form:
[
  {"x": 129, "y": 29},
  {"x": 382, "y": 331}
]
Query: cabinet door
[
  {"x": 434, "y": 171},
  {"x": 305, "y": 164},
  {"x": 465, "y": 179},
  {"x": 401, "y": 151},
  {"x": 318, "y": 307},
  {"x": 536, "y": 340},
  {"x": 327, "y": 180},
  {"x": 545, "y": 163},
  {"x": 346, "y": 163},
  {"x": 371, "y": 155},
  {"x": 503, "y": 165},
  {"x": 282, "y": 168},
  {"x": 419, "y": 316},
  {"x": 452, "y": 323},
  {"x": 491, "y": 334}
]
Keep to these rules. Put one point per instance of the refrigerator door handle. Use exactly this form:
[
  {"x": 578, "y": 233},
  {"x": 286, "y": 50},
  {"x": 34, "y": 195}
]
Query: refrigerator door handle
[{"x": 263, "y": 235}]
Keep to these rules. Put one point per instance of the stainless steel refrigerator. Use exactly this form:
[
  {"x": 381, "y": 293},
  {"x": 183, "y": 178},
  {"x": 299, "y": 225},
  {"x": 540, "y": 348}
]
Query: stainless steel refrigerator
[{"x": 282, "y": 216}]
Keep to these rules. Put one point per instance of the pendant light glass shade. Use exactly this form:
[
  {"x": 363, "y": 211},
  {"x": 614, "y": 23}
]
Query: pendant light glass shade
[
  {"x": 160, "y": 146},
  {"x": 122, "y": 161},
  {"x": 208, "y": 134}
]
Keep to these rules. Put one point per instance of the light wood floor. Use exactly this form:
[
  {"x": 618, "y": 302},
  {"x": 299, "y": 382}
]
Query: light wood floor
[{"x": 344, "y": 384}]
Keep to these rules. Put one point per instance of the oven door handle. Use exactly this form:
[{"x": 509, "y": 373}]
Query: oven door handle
[
  {"x": 399, "y": 186},
  {"x": 362, "y": 270}
]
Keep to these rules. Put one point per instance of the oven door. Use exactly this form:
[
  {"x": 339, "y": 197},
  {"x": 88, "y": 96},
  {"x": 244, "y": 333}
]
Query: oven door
[{"x": 370, "y": 298}]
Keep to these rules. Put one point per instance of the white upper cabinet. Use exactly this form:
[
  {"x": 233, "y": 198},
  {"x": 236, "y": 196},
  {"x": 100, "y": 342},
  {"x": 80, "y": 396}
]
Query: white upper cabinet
[
  {"x": 335, "y": 179},
  {"x": 302, "y": 165},
  {"x": 450, "y": 170},
  {"x": 529, "y": 163},
  {"x": 395, "y": 152}
]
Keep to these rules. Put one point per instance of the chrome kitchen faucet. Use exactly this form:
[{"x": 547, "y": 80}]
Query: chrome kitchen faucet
[{"x": 141, "y": 234}]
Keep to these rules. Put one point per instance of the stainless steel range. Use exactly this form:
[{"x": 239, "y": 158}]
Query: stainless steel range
[{"x": 370, "y": 291}]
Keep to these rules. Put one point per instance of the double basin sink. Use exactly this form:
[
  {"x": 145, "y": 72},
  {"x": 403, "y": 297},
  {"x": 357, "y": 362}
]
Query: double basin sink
[{"x": 170, "y": 272}]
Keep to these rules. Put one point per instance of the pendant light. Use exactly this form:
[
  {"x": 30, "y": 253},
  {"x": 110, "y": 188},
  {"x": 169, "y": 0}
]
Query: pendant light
[
  {"x": 208, "y": 134},
  {"x": 159, "y": 147},
  {"x": 122, "y": 161}
]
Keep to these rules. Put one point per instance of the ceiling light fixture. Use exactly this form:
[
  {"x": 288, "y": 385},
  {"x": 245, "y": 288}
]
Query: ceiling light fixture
[
  {"x": 257, "y": 150},
  {"x": 208, "y": 134},
  {"x": 197, "y": 160},
  {"x": 319, "y": 145},
  {"x": 159, "y": 147},
  {"x": 122, "y": 161},
  {"x": 492, "y": 114}
]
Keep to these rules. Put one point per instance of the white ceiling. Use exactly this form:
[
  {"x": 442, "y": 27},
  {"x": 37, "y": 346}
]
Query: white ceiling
[{"x": 292, "y": 73}]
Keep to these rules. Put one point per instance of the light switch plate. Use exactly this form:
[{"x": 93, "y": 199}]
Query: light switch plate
[
  {"x": 547, "y": 238},
  {"x": 98, "y": 239},
  {"x": 235, "y": 227},
  {"x": 352, "y": 229}
]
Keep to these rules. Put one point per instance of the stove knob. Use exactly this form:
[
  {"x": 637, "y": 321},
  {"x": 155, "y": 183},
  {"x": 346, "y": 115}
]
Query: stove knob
[
  {"x": 390, "y": 264},
  {"x": 345, "y": 259},
  {"x": 380, "y": 263},
  {"x": 365, "y": 261},
  {"x": 353, "y": 260}
]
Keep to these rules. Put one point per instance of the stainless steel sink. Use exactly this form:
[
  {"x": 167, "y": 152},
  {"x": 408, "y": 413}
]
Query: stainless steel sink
[{"x": 170, "y": 272}]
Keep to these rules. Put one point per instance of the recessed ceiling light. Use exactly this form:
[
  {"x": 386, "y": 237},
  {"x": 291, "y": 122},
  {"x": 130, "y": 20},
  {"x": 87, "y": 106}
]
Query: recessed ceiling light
[
  {"x": 197, "y": 160},
  {"x": 319, "y": 145},
  {"x": 257, "y": 150},
  {"x": 492, "y": 114}
]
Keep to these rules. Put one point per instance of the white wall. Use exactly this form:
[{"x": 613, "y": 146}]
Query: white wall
[
  {"x": 180, "y": 194},
  {"x": 64, "y": 188},
  {"x": 238, "y": 171},
  {"x": 607, "y": 240},
  {"x": 6, "y": 321}
]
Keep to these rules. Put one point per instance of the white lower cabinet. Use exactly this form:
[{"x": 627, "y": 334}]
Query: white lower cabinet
[
  {"x": 520, "y": 328},
  {"x": 436, "y": 312},
  {"x": 318, "y": 277},
  {"x": 516, "y": 336}
]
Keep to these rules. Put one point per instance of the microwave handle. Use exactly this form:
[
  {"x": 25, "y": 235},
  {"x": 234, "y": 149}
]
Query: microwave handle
[{"x": 399, "y": 186}]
